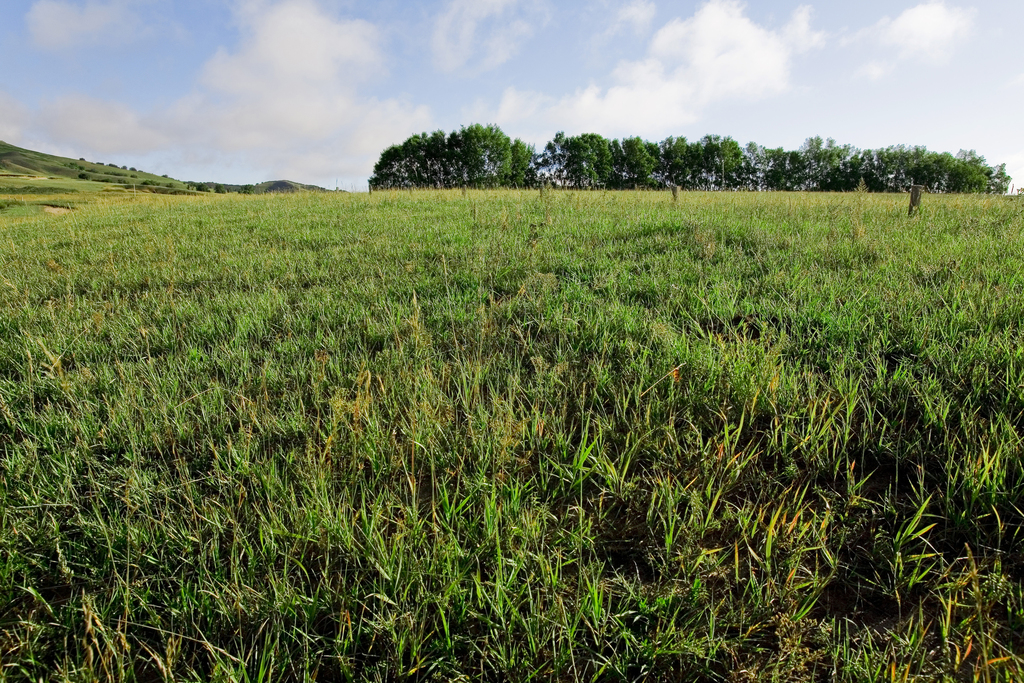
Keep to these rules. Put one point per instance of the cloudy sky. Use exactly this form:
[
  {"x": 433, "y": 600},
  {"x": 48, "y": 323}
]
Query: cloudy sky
[{"x": 312, "y": 90}]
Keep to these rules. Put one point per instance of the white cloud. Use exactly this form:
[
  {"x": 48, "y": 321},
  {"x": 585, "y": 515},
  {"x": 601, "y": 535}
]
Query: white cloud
[
  {"x": 296, "y": 72},
  {"x": 63, "y": 25},
  {"x": 456, "y": 41},
  {"x": 13, "y": 119},
  {"x": 296, "y": 40},
  {"x": 717, "y": 54},
  {"x": 636, "y": 16},
  {"x": 286, "y": 101},
  {"x": 798, "y": 33},
  {"x": 720, "y": 53},
  {"x": 927, "y": 31},
  {"x": 98, "y": 125},
  {"x": 292, "y": 92},
  {"x": 874, "y": 71}
]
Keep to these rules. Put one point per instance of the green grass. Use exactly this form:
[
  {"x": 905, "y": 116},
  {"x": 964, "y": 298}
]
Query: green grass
[
  {"x": 589, "y": 436},
  {"x": 30, "y": 187},
  {"x": 32, "y": 206}
]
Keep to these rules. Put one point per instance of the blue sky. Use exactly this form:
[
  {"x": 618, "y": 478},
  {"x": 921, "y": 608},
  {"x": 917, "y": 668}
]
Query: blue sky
[{"x": 312, "y": 90}]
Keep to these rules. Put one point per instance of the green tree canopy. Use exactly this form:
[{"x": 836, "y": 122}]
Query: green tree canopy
[{"x": 484, "y": 156}]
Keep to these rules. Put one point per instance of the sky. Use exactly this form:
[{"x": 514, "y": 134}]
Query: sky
[{"x": 241, "y": 91}]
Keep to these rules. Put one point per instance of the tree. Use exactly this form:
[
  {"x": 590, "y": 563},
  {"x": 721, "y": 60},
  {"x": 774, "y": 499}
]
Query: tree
[
  {"x": 826, "y": 166},
  {"x": 998, "y": 181},
  {"x": 522, "y": 170},
  {"x": 476, "y": 156},
  {"x": 581, "y": 161},
  {"x": 715, "y": 163},
  {"x": 389, "y": 171},
  {"x": 482, "y": 156},
  {"x": 673, "y": 163},
  {"x": 433, "y": 160},
  {"x": 551, "y": 163},
  {"x": 633, "y": 163},
  {"x": 970, "y": 173}
]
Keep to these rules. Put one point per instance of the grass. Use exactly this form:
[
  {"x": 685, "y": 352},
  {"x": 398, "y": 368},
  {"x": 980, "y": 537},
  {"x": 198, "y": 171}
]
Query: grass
[
  {"x": 499, "y": 436},
  {"x": 14, "y": 208}
]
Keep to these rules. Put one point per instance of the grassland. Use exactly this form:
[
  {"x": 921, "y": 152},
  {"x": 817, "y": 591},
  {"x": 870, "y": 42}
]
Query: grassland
[{"x": 500, "y": 436}]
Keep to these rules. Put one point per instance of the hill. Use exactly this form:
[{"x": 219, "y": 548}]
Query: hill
[
  {"x": 285, "y": 186},
  {"x": 23, "y": 171},
  {"x": 267, "y": 187},
  {"x": 17, "y": 164}
]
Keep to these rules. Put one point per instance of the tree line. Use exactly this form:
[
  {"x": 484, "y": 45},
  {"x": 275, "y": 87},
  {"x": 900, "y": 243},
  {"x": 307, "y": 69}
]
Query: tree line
[{"x": 485, "y": 157}]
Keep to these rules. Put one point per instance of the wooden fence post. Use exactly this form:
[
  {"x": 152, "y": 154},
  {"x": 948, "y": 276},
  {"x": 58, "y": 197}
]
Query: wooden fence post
[
  {"x": 915, "y": 198},
  {"x": 675, "y": 193}
]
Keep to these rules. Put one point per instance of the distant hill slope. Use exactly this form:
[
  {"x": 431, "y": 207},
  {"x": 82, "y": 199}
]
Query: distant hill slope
[
  {"x": 269, "y": 186},
  {"x": 285, "y": 186},
  {"x": 15, "y": 161}
]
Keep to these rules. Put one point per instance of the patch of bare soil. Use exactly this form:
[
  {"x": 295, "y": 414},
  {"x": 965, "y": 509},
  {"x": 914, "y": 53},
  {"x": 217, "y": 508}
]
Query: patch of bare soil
[{"x": 56, "y": 210}]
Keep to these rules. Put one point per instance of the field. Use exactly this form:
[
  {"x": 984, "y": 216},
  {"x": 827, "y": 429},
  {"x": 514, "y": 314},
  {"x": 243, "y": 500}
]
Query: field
[{"x": 512, "y": 436}]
